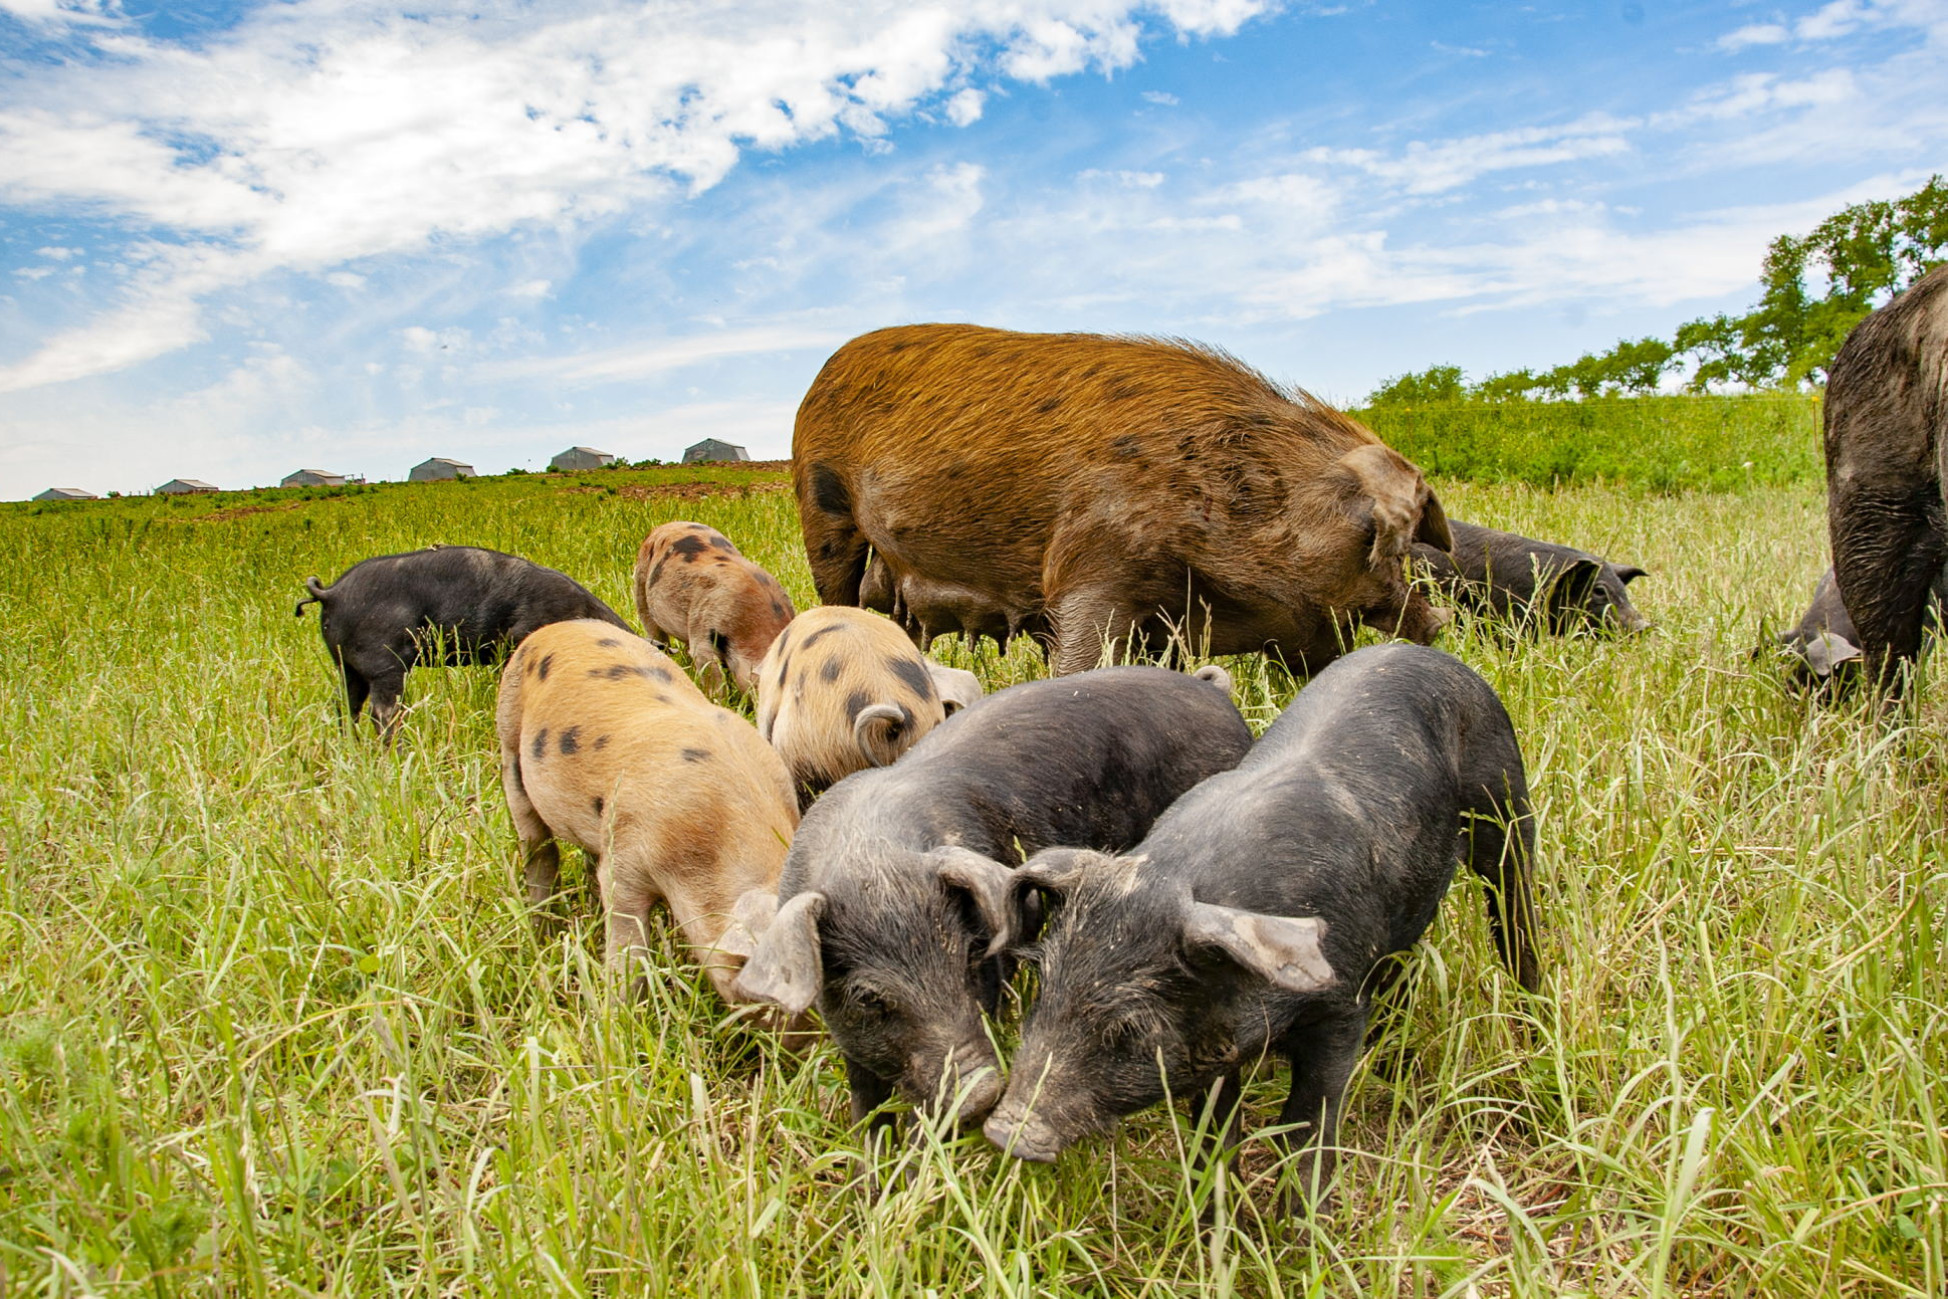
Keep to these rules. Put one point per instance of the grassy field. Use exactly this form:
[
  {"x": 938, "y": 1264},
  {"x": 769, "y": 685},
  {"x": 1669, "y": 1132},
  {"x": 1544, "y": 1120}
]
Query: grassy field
[
  {"x": 273, "y": 1020},
  {"x": 1664, "y": 444}
]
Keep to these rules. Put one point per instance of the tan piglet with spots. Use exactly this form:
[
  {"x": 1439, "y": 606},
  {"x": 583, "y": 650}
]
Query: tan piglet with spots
[
  {"x": 607, "y": 745},
  {"x": 693, "y": 585},
  {"x": 841, "y": 690}
]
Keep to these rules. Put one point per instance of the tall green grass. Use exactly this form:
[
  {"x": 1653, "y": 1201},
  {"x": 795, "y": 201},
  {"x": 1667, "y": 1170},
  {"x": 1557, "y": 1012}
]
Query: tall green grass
[
  {"x": 273, "y": 1019},
  {"x": 1660, "y": 444}
]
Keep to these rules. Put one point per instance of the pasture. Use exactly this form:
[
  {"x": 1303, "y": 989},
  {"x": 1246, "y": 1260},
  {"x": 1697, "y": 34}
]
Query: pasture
[{"x": 273, "y": 1020}]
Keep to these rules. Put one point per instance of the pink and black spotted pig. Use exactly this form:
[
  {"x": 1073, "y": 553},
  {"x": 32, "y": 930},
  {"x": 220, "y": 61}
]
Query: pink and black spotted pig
[{"x": 693, "y": 585}]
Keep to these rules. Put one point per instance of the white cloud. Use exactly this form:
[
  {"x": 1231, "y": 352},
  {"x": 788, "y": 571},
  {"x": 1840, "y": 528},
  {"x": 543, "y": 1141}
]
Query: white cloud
[
  {"x": 1163, "y": 97},
  {"x": 320, "y": 132},
  {"x": 1425, "y": 167},
  {"x": 964, "y": 109},
  {"x": 640, "y": 360},
  {"x": 1754, "y": 34},
  {"x": 1126, "y": 179}
]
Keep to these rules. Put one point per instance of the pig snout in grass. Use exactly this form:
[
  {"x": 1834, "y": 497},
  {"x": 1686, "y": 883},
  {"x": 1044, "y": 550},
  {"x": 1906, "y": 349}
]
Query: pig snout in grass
[
  {"x": 898, "y": 892},
  {"x": 1262, "y": 912}
]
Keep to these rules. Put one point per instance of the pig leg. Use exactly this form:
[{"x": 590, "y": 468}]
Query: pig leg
[
  {"x": 1322, "y": 1055},
  {"x": 540, "y": 856},
  {"x": 1085, "y": 623},
  {"x": 1888, "y": 550},
  {"x": 1502, "y": 861},
  {"x": 629, "y": 906},
  {"x": 356, "y": 689},
  {"x": 386, "y": 690},
  {"x": 835, "y": 547}
]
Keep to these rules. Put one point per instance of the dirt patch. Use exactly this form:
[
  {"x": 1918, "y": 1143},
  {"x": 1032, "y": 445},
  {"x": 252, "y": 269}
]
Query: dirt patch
[
  {"x": 686, "y": 491},
  {"x": 240, "y": 511}
]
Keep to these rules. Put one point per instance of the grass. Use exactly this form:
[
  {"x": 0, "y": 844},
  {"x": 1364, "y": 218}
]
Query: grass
[
  {"x": 1660, "y": 444},
  {"x": 273, "y": 1020}
]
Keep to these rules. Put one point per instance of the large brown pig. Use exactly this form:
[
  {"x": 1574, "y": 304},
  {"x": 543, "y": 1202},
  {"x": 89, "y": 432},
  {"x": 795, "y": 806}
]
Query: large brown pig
[
  {"x": 693, "y": 585},
  {"x": 607, "y": 745},
  {"x": 1106, "y": 484}
]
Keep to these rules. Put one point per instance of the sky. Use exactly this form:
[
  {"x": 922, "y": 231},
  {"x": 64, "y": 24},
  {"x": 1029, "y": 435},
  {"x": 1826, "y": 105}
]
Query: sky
[{"x": 239, "y": 239}]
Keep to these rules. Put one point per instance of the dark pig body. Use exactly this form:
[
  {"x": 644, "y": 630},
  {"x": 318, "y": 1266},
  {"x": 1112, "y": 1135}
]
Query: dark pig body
[
  {"x": 1262, "y": 911},
  {"x": 896, "y": 899},
  {"x": 1535, "y": 585},
  {"x": 1886, "y": 415},
  {"x": 384, "y": 615}
]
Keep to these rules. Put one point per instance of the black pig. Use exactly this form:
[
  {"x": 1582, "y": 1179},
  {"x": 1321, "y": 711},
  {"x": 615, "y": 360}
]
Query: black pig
[
  {"x": 1533, "y": 584},
  {"x": 1261, "y": 911},
  {"x": 382, "y": 617},
  {"x": 1825, "y": 646},
  {"x": 895, "y": 904}
]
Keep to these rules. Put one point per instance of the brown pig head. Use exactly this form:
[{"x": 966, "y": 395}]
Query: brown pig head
[{"x": 1386, "y": 494}]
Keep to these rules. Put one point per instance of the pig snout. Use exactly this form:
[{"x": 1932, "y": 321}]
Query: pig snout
[
  {"x": 1025, "y": 1136},
  {"x": 970, "y": 1082}
]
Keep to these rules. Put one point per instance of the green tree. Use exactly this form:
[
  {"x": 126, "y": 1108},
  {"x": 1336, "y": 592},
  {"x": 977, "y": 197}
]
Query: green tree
[
  {"x": 1855, "y": 261},
  {"x": 1435, "y": 383}
]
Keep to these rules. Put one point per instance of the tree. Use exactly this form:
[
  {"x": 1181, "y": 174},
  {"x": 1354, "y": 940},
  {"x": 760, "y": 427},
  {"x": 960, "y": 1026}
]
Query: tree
[
  {"x": 1435, "y": 383},
  {"x": 1863, "y": 254}
]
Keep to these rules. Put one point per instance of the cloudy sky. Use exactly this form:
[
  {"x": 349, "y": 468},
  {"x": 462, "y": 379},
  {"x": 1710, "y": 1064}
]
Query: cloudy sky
[{"x": 238, "y": 238}]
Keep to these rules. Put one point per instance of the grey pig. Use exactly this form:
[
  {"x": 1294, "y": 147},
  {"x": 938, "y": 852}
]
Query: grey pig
[
  {"x": 1261, "y": 912},
  {"x": 895, "y": 905}
]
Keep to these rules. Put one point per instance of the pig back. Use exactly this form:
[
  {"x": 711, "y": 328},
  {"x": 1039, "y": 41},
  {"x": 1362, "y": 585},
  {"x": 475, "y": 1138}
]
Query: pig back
[
  {"x": 1089, "y": 760},
  {"x": 960, "y": 451}
]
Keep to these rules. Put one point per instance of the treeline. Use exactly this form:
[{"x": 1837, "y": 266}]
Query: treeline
[{"x": 1817, "y": 287}]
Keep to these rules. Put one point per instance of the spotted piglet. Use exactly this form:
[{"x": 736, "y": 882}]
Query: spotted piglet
[
  {"x": 693, "y": 585},
  {"x": 606, "y": 744},
  {"x": 841, "y": 690}
]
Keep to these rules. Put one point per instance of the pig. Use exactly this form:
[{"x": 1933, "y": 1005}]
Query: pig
[
  {"x": 841, "y": 689},
  {"x": 1825, "y": 645},
  {"x": 384, "y": 615},
  {"x": 1105, "y": 488},
  {"x": 694, "y": 586},
  {"x": 1262, "y": 912},
  {"x": 607, "y": 745},
  {"x": 1534, "y": 585},
  {"x": 895, "y": 901},
  {"x": 1886, "y": 436}
]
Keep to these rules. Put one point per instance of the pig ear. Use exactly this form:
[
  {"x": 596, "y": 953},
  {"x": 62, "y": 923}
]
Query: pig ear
[
  {"x": 1828, "y": 651},
  {"x": 1283, "y": 950},
  {"x": 1573, "y": 585},
  {"x": 1629, "y": 573},
  {"x": 750, "y": 917},
  {"x": 877, "y": 731},
  {"x": 1056, "y": 870},
  {"x": 1386, "y": 494},
  {"x": 1214, "y": 675},
  {"x": 989, "y": 883},
  {"x": 1433, "y": 529},
  {"x": 786, "y": 968}
]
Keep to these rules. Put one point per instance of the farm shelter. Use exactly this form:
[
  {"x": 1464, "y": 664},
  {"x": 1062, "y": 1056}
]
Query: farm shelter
[
  {"x": 67, "y": 494},
  {"x": 313, "y": 478},
  {"x": 438, "y": 469},
  {"x": 712, "y": 449},
  {"x": 577, "y": 458},
  {"x": 184, "y": 487}
]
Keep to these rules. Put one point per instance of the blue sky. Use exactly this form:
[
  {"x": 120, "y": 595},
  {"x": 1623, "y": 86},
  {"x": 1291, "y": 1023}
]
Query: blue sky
[{"x": 239, "y": 239}]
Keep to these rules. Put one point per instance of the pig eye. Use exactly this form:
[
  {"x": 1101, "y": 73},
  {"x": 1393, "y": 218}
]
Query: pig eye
[{"x": 869, "y": 1002}]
